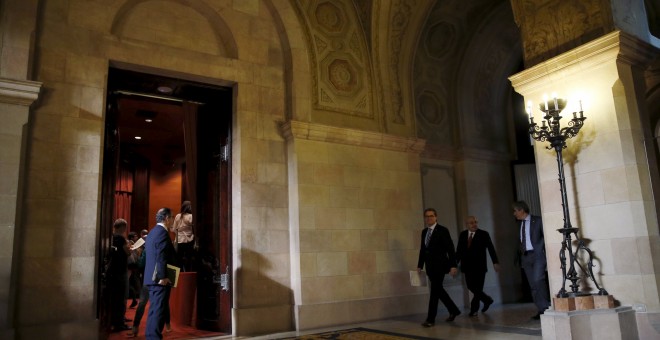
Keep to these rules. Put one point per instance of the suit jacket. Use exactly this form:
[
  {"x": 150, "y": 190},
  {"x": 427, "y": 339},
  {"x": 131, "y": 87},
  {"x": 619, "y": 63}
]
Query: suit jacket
[
  {"x": 536, "y": 237},
  {"x": 473, "y": 259},
  {"x": 439, "y": 256},
  {"x": 160, "y": 252}
]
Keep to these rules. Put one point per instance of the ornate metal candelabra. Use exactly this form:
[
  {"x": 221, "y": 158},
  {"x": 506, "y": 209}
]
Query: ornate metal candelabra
[{"x": 551, "y": 131}]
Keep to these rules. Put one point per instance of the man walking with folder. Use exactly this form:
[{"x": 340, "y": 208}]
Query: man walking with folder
[
  {"x": 436, "y": 253},
  {"x": 160, "y": 252}
]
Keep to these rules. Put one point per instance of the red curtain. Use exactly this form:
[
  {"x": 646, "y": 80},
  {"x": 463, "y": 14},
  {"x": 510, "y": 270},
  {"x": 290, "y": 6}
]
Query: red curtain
[{"x": 123, "y": 195}]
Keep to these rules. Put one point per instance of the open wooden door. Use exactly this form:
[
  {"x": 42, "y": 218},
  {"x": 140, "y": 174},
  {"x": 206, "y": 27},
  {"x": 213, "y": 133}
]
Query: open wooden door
[
  {"x": 212, "y": 217},
  {"x": 110, "y": 166}
]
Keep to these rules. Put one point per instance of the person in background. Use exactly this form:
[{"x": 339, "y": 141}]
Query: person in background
[
  {"x": 532, "y": 255},
  {"x": 118, "y": 276},
  {"x": 134, "y": 282},
  {"x": 436, "y": 253},
  {"x": 471, "y": 254},
  {"x": 185, "y": 238}
]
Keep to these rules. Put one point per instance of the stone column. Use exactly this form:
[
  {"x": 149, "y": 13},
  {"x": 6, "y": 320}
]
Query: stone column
[
  {"x": 608, "y": 179},
  {"x": 17, "y": 93},
  {"x": 15, "y": 99}
]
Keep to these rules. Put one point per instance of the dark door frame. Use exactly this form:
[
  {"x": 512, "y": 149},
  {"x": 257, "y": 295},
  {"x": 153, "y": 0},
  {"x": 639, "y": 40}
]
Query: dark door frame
[{"x": 218, "y": 218}]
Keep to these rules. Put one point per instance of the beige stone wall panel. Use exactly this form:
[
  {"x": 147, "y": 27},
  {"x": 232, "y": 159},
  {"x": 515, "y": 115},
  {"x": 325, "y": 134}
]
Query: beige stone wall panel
[
  {"x": 361, "y": 262},
  {"x": 192, "y": 26},
  {"x": 364, "y": 212},
  {"x": 332, "y": 288},
  {"x": 371, "y": 240}
]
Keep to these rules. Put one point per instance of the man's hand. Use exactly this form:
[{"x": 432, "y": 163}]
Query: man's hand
[
  {"x": 453, "y": 271},
  {"x": 164, "y": 282},
  {"x": 497, "y": 267},
  {"x": 419, "y": 270}
]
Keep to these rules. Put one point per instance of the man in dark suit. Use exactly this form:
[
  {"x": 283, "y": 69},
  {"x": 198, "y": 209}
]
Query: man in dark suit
[
  {"x": 532, "y": 259},
  {"x": 160, "y": 252},
  {"x": 471, "y": 253},
  {"x": 437, "y": 254}
]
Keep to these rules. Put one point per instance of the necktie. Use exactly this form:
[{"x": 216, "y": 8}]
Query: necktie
[
  {"x": 428, "y": 237},
  {"x": 470, "y": 239},
  {"x": 523, "y": 239}
]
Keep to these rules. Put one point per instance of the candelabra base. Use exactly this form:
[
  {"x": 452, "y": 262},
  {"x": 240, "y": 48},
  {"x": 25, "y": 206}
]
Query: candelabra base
[
  {"x": 611, "y": 323},
  {"x": 582, "y": 302},
  {"x": 572, "y": 294}
]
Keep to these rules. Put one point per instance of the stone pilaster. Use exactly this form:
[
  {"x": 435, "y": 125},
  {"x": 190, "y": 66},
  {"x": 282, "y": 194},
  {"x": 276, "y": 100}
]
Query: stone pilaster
[
  {"x": 608, "y": 175},
  {"x": 16, "y": 96}
]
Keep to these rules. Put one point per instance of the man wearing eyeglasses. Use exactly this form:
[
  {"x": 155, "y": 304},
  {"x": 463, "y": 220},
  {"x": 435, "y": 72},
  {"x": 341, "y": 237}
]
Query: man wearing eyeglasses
[{"x": 436, "y": 253}]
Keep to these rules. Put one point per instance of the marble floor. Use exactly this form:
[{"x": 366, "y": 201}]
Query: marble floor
[{"x": 510, "y": 321}]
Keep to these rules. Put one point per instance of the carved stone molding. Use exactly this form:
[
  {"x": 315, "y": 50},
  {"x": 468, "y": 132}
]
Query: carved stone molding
[
  {"x": 19, "y": 92},
  {"x": 293, "y": 130},
  {"x": 619, "y": 45},
  {"x": 450, "y": 153},
  {"x": 551, "y": 27},
  {"x": 401, "y": 13}
]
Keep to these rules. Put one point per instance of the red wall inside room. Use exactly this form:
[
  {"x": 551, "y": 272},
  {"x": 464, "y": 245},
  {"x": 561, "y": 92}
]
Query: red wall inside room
[{"x": 164, "y": 189}]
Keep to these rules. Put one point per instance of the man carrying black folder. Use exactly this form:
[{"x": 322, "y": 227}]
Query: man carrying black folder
[{"x": 160, "y": 252}]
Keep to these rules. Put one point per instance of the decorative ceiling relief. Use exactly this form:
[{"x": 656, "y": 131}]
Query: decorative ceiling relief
[
  {"x": 441, "y": 39},
  {"x": 341, "y": 71},
  {"x": 400, "y": 18},
  {"x": 464, "y": 55},
  {"x": 552, "y": 27}
]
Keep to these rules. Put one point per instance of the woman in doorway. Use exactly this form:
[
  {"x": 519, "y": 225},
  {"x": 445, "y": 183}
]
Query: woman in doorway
[{"x": 184, "y": 241}]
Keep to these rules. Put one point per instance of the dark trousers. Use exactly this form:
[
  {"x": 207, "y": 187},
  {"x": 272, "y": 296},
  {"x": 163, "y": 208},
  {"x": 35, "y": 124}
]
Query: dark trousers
[
  {"x": 159, "y": 310},
  {"x": 117, "y": 286},
  {"x": 139, "y": 311},
  {"x": 185, "y": 256},
  {"x": 438, "y": 292},
  {"x": 475, "y": 283},
  {"x": 535, "y": 267}
]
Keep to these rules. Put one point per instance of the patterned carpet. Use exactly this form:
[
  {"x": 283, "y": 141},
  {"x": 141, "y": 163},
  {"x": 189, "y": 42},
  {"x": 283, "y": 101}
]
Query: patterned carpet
[{"x": 357, "y": 334}]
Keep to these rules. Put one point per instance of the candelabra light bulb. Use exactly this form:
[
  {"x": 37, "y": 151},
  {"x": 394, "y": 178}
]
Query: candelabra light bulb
[
  {"x": 545, "y": 101},
  {"x": 528, "y": 109},
  {"x": 554, "y": 97}
]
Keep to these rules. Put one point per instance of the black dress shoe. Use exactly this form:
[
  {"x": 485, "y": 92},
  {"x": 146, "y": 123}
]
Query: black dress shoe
[
  {"x": 537, "y": 316},
  {"x": 473, "y": 314},
  {"x": 486, "y": 306},
  {"x": 427, "y": 324},
  {"x": 451, "y": 317}
]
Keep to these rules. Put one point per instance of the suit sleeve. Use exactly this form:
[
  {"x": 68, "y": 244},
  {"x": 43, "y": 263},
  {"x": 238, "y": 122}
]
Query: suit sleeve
[
  {"x": 460, "y": 247},
  {"x": 161, "y": 256},
  {"x": 449, "y": 246},
  {"x": 491, "y": 250},
  {"x": 420, "y": 260}
]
